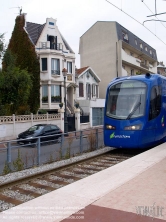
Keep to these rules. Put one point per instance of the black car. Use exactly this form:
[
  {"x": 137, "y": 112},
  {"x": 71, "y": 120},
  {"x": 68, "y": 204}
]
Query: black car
[{"x": 46, "y": 132}]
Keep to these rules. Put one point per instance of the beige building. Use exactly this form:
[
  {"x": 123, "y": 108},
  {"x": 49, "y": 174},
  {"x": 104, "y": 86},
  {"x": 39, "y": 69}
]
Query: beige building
[
  {"x": 113, "y": 51},
  {"x": 161, "y": 69}
]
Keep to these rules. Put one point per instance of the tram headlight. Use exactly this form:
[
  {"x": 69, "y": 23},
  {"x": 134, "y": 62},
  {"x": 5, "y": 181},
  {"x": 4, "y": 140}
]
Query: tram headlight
[
  {"x": 110, "y": 127},
  {"x": 134, "y": 127}
]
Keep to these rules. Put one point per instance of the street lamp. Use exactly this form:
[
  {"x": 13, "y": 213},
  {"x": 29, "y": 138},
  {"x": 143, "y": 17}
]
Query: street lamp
[{"x": 64, "y": 71}]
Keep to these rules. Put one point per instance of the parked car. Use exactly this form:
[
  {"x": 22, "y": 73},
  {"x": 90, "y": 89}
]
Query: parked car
[{"x": 46, "y": 132}]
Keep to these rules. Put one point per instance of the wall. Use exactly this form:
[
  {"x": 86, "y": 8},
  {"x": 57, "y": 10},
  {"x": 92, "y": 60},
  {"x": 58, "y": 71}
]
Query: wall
[
  {"x": 97, "y": 49},
  {"x": 11, "y": 126}
]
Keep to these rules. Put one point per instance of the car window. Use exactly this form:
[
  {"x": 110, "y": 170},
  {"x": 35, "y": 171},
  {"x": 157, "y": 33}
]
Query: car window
[
  {"x": 47, "y": 128},
  {"x": 53, "y": 127},
  {"x": 34, "y": 128}
]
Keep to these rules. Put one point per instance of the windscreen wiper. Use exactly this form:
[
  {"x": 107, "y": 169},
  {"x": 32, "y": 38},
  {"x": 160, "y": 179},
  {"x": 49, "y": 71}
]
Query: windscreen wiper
[{"x": 134, "y": 109}]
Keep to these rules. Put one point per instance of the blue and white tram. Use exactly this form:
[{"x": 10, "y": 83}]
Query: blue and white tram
[{"x": 135, "y": 111}]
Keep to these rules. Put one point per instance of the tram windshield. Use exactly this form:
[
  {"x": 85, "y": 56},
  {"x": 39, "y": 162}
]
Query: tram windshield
[{"x": 126, "y": 100}]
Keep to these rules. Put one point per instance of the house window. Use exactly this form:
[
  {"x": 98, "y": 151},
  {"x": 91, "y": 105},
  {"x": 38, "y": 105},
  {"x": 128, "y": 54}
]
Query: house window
[
  {"x": 45, "y": 94},
  {"x": 146, "y": 49},
  {"x": 151, "y": 52},
  {"x": 141, "y": 46},
  {"x": 94, "y": 89},
  {"x": 136, "y": 41},
  {"x": 69, "y": 67},
  {"x": 51, "y": 23},
  {"x": 88, "y": 91},
  {"x": 55, "y": 67},
  {"x": 81, "y": 89},
  {"x": 44, "y": 64},
  {"x": 55, "y": 93},
  {"x": 53, "y": 41}
]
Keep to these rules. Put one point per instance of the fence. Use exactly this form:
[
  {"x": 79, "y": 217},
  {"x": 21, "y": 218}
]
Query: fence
[
  {"x": 16, "y": 157},
  {"x": 11, "y": 126}
]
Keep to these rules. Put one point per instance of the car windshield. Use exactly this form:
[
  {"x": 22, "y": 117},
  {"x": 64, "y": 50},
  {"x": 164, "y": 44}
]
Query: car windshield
[
  {"x": 126, "y": 100},
  {"x": 35, "y": 128}
]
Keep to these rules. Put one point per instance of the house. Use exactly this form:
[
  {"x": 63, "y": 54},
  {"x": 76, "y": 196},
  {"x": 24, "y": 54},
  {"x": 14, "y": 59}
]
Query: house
[
  {"x": 55, "y": 54},
  {"x": 161, "y": 69},
  {"x": 87, "y": 95},
  {"x": 113, "y": 51}
]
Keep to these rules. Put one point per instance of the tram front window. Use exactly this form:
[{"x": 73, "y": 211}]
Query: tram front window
[{"x": 126, "y": 100}]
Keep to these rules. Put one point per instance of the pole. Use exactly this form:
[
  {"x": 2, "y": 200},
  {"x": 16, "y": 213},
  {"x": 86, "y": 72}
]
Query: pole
[{"x": 65, "y": 116}]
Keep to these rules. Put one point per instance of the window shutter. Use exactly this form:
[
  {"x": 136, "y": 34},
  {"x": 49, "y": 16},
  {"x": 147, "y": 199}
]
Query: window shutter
[{"x": 81, "y": 92}]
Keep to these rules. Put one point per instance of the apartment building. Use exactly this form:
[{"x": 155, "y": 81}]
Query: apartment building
[
  {"x": 161, "y": 69},
  {"x": 113, "y": 51}
]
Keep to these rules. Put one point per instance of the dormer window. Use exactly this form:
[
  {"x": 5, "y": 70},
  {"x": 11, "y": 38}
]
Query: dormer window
[
  {"x": 146, "y": 49},
  {"x": 154, "y": 54},
  {"x": 151, "y": 52},
  {"x": 136, "y": 41},
  {"x": 125, "y": 36},
  {"x": 141, "y": 46}
]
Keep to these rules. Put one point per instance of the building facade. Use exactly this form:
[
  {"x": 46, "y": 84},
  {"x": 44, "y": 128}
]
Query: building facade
[
  {"x": 55, "y": 54},
  {"x": 87, "y": 95},
  {"x": 161, "y": 69},
  {"x": 113, "y": 51}
]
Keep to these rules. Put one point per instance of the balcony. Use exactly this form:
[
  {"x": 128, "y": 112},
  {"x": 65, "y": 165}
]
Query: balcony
[
  {"x": 144, "y": 66},
  {"x": 51, "y": 45},
  {"x": 130, "y": 59}
]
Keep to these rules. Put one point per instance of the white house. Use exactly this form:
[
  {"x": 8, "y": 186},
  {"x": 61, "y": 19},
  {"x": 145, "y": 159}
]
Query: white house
[
  {"x": 87, "y": 95},
  {"x": 55, "y": 54}
]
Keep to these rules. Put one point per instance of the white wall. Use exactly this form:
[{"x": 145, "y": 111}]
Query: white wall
[{"x": 9, "y": 129}]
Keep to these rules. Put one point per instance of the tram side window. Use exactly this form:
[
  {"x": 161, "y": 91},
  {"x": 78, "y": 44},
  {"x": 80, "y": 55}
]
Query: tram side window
[{"x": 155, "y": 102}]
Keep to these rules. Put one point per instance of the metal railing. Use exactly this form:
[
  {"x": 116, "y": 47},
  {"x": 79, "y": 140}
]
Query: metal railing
[{"x": 42, "y": 151}]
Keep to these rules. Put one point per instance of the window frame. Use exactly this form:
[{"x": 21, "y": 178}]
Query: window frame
[
  {"x": 44, "y": 64},
  {"x": 69, "y": 67},
  {"x": 55, "y": 66},
  {"x": 155, "y": 105}
]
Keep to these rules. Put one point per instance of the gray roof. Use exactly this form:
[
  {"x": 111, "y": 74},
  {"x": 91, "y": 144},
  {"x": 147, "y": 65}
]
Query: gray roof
[
  {"x": 131, "y": 41},
  {"x": 34, "y": 30}
]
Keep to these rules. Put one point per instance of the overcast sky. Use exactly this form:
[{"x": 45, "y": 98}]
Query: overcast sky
[{"x": 75, "y": 17}]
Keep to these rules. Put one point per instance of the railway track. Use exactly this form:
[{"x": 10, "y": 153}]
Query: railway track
[{"x": 27, "y": 189}]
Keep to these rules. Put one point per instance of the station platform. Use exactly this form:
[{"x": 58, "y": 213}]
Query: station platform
[{"x": 131, "y": 191}]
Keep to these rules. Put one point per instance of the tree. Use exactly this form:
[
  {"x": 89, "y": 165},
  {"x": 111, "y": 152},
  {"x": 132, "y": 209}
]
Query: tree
[
  {"x": 15, "y": 86},
  {"x": 26, "y": 59}
]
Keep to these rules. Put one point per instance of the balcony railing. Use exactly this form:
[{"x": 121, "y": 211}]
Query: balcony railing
[
  {"x": 51, "y": 45},
  {"x": 144, "y": 66},
  {"x": 55, "y": 72}
]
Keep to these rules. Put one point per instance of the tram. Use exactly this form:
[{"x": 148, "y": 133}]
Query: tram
[{"x": 135, "y": 111}]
